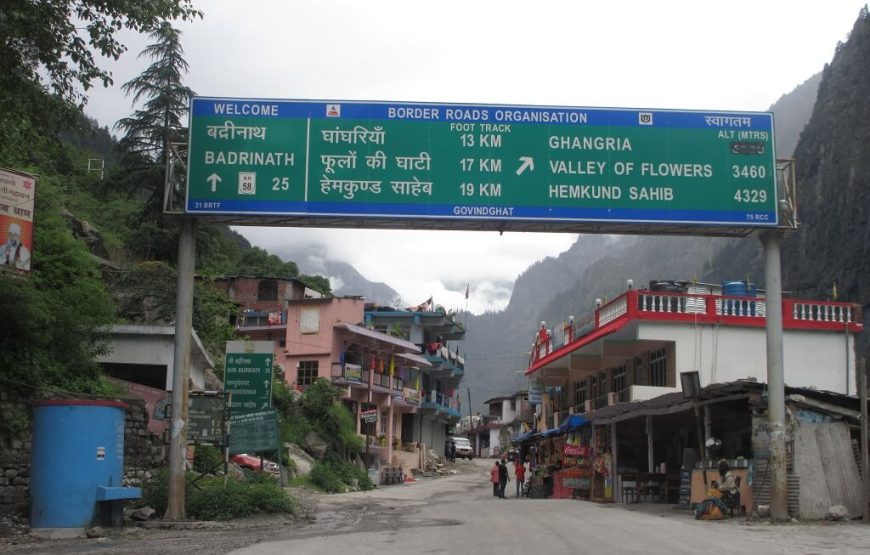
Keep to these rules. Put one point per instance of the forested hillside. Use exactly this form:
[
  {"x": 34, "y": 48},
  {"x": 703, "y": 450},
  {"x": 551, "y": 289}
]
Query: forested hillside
[{"x": 103, "y": 250}]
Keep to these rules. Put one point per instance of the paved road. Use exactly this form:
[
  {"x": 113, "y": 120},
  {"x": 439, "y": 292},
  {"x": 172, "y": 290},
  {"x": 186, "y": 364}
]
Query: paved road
[{"x": 459, "y": 515}]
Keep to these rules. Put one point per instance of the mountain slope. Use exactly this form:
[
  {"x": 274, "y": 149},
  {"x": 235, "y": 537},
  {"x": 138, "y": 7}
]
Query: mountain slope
[
  {"x": 597, "y": 266},
  {"x": 833, "y": 174}
]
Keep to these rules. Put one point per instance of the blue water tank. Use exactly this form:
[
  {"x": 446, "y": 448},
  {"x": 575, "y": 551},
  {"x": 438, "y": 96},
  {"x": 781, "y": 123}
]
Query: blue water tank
[
  {"x": 734, "y": 307},
  {"x": 78, "y": 447},
  {"x": 739, "y": 289}
]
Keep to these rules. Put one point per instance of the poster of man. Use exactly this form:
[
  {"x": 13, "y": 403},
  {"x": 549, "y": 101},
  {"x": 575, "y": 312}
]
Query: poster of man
[{"x": 17, "y": 192}]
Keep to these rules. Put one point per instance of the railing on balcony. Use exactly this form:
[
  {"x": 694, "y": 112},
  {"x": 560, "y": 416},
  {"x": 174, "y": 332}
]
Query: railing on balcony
[
  {"x": 262, "y": 318},
  {"x": 600, "y": 402},
  {"x": 708, "y": 309},
  {"x": 442, "y": 401},
  {"x": 806, "y": 311},
  {"x": 612, "y": 311}
]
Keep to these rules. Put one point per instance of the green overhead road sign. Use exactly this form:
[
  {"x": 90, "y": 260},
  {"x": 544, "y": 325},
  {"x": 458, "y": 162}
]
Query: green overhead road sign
[
  {"x": 248, "y": 375},
  {"x": 466, "y": 163}
]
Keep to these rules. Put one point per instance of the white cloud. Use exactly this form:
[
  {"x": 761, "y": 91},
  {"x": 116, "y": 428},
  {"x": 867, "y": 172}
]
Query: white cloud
[{"x": 740, "y": 55}]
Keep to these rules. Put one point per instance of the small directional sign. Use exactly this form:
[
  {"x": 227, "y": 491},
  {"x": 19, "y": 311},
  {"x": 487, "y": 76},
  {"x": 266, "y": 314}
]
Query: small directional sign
[{"x": 248, "y": 374}]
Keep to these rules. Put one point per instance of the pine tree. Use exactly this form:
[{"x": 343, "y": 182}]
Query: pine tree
[
  {"x": 148, "y": 135},
  {"x": 162, "y": 118}
]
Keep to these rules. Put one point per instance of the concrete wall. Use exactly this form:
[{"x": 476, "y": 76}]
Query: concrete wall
[
  {"x": 727, "y": 353},
  {"x": 152, "y": 345}
]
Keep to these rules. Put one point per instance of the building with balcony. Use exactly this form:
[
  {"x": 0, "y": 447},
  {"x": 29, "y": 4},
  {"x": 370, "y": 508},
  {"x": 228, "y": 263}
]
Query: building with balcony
[
  {"x": 401, "y": 363},
  {"x": 435, "y": 333},
  {"x": 262, "y": 303},
  {"x": 506, "y": 417},
  {"x": 634, "y": 347}
]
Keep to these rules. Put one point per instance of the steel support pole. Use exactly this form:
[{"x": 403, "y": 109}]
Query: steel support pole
[
  {"x": 175, "y": 509},
  {"x": 865, "y": 456},
  {"x": 771, "y": 241}
]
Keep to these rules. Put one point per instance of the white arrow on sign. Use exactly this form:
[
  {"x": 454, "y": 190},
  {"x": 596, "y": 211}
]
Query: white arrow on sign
[
  {"x": 213, "y": 179},
  {"x": 527, "y": 162}
]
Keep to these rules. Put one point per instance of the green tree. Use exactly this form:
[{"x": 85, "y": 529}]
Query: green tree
[
  {"x": 53, "y": 323},
  {"x": 148, "y": 133},
  {"x": 318, "y": 283},
  {"x": 258, "y": 262},
  {"x": 48, "y": 53},
  {"x": 161, "y": 120}
]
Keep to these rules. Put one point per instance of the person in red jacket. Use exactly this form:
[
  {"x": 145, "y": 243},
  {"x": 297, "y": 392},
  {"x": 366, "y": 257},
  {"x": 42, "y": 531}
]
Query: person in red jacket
[
  {"x": 494, "y": 479},
  {"x": 520, "y": 472}
]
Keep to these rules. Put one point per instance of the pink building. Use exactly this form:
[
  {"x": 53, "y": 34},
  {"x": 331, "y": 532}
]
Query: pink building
[{"x": 410, "y": 396}]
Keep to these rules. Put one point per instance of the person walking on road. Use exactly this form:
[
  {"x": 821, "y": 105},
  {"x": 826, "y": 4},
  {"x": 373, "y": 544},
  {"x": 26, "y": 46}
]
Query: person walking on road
[
  {"x": 520, "y": 475},
  {"x": 503, "y": 479},
  {"x": 494, "y": 474}
]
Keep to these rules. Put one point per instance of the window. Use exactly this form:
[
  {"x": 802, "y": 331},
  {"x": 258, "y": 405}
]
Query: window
[
  {"x": 307, "y": 372},
  {"x": 309, "y": 321},
  {"x": 658, "y": 367},
  {"x": 267, "y": 290},
  {"x": 618, "y": 380},
  {"x": 580, "y": 392}
]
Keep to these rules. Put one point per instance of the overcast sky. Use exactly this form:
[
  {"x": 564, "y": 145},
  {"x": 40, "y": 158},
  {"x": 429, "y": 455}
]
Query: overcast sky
[{"x": 736, "y": 55}]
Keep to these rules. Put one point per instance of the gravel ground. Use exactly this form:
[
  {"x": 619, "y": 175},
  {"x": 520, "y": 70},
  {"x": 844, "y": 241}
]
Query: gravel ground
[{"x": 316, "y": 512}]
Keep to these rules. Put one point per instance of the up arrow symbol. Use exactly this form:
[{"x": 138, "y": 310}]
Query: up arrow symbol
[
  {"x": 213, "y": 180},
  {"x": 527, "y": 162}
]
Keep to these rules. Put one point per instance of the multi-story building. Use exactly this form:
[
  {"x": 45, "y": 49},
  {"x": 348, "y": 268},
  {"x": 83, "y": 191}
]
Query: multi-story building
[
  {"x": 506, "y": 417},
  {"x": 404, "y": 382},
  {"x": 263, "y": 306},
  {"x": 434, "y": 332},
  {"x": 636, "y": 346}
]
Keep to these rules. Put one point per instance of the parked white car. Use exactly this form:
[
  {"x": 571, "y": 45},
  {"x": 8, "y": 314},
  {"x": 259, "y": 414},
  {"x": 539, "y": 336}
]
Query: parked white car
[{"x": 463, "y": 448}]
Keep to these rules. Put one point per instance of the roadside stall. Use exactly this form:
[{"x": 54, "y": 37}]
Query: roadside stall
[{"x": 574, "y": 479}]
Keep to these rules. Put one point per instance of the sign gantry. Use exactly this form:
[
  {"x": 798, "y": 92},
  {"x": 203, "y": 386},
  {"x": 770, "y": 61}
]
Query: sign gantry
[{"x": 532, "y": 168}]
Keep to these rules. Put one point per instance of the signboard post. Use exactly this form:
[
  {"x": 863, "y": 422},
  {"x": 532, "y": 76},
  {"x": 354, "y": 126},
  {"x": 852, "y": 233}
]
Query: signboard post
[
  {"x": 390, "y": 161},
  {"x": 248, "y": 374},
  {"x": 17, "y": 195}
]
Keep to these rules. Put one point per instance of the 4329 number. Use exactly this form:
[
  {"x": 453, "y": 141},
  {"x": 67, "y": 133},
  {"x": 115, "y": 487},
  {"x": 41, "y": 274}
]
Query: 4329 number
[{"x": 751, "y": 196}]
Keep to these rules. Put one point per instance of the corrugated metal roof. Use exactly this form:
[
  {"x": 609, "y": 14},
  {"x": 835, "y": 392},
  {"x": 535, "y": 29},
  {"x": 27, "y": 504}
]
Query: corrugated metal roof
[
  {"x": 417, "y": 360},
  {"x": 378, "y": 336},
  {"x": 717, "y": 392}
]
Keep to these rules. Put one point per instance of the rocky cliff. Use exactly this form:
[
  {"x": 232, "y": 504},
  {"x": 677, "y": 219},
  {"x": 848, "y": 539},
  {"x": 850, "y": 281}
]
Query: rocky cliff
[{"x": 833, "y": 177}]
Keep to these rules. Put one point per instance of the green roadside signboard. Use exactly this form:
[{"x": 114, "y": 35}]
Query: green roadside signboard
[
  {"x": 248, "y": 375},
  {"x": 480, "y": 163},
  {"x": 206, "y": 418},
  {"x": 253, "y": 432}
]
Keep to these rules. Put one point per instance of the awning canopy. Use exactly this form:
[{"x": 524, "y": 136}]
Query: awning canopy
[
  {"x": 573, "y": 422},
  {"x": 523, "y": 437}
]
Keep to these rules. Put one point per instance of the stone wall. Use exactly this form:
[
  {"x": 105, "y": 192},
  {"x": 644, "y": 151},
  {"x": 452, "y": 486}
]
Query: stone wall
[
  {"x": 143, "y": 451},
  {"x": 15, "y": 447}
]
